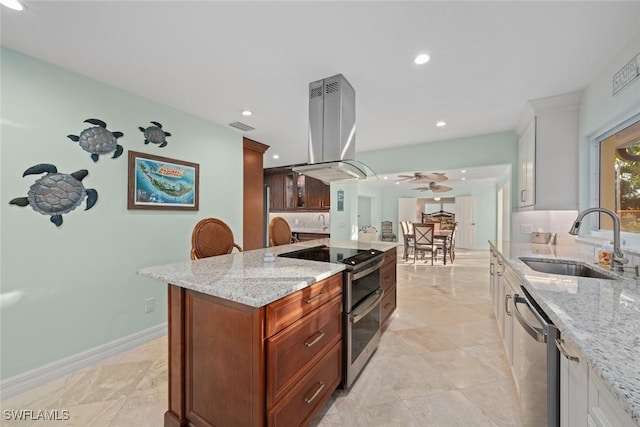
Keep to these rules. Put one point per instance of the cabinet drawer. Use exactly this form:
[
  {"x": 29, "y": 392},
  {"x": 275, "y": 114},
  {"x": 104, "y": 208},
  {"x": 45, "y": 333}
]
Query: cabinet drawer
[
  {"x": 388, "y": 276},
  {"x": 388, "y": 303},
  {"x": 285, "y": 311},
  {"x": 311, "y": 391},
  {"x": 295, "y": 348},
  {"x": 390, "y": 257}
]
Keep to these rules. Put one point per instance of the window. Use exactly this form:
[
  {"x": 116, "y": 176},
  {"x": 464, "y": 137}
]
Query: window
[{"x": 619, "y": 181}]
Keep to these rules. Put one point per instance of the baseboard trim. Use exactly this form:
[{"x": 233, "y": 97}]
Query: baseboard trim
[{"x": 29, "y": 380}]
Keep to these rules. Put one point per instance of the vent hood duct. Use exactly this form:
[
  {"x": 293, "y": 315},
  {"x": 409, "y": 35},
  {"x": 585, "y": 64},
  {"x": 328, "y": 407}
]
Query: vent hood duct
[{"x": 332, "y": 133}]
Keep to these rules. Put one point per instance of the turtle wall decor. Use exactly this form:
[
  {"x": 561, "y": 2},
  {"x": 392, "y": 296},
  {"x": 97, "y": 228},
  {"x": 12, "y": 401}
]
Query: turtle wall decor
[
  {"x": 155, "y": 134},
  {"x": 56, "y": 193},
  {"x": 98, "y": 140}
]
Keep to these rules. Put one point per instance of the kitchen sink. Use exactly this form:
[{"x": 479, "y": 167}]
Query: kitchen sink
[{"x": 567, "y": 268}]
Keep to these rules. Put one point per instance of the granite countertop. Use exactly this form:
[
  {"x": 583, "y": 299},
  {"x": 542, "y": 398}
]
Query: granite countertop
[
  {"x": 600, "y": 317},
  {"x": 245, "y": 277}
]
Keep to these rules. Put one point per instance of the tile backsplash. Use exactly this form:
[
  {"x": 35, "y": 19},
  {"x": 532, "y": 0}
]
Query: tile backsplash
[{"x": 305, "y": 222}]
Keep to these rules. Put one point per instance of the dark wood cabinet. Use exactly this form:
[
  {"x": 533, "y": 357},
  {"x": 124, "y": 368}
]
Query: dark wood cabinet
[
  {"x": 388, "y": 279},
  {"x": 235, "y": 365},
  {"x": 292, "y": 191},
  {"x": 318, "y": 194},
  {"x": 253, "y": 151}
]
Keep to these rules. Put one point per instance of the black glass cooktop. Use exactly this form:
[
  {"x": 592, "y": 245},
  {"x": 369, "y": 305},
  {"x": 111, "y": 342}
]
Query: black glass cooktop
[{"x": 331, "y": 254}]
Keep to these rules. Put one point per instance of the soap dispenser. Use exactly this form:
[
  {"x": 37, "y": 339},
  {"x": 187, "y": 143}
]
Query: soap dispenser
[{"x": 605, "y": 254}]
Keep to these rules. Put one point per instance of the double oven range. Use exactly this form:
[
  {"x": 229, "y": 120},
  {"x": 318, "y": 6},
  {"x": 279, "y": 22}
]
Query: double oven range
[{"x": 362, "y": 294}]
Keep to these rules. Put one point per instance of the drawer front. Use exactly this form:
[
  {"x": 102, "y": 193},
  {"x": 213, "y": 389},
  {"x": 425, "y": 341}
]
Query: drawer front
[
  {"x": 388, "y": 276},
  {"x": 388, "y": 304},
  {"x": 390, "y": 257},
  {"x": 285, "y": 311},
  {"x": 294, "y": 349},
  {"x": 313, "y": 389}
]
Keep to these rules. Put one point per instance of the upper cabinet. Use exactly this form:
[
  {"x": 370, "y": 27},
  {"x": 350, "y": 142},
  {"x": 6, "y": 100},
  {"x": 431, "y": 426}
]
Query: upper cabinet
[
  {"x": 292, "y": 191},
  {"x": 548, "y": 154}
]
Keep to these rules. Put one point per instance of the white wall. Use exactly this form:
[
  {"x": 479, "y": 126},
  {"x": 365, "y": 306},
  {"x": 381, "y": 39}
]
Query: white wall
[{"x": 71, "y": 288}]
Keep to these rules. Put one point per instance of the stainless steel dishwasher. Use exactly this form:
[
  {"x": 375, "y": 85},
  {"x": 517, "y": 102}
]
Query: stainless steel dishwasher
[{"x": 536, "y": 363}]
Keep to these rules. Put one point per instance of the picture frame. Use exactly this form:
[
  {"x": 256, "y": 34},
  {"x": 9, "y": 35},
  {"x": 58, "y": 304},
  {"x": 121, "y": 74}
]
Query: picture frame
[{"x": 161, "y": 183}]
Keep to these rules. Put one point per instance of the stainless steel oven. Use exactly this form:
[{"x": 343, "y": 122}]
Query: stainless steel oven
[
  {"x": 362, "y": 316},
  {"x": 362, "y": 294}
]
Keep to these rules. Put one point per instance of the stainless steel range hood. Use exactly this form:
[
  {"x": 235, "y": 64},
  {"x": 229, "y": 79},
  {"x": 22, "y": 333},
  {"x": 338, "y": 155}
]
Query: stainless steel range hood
[{"x": 332, "y": 133}]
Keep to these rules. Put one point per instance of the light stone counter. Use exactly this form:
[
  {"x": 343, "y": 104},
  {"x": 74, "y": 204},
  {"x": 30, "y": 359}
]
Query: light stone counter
[
  {"x": 246, "y": 278},
  {"x": 601, "y": 318}
]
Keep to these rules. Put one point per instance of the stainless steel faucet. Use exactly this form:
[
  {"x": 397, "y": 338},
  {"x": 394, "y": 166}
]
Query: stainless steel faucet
[
  {"x": 324, "y": 224},
  {"x": 618, "y": 259}
]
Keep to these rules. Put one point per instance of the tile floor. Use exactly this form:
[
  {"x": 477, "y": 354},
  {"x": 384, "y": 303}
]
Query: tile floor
[{"x": 440, "y": 363}]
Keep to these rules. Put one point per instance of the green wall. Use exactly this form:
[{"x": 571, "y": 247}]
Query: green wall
[
  {"x": 483, "y": 150},
  {"x": 68, "y": 289}
]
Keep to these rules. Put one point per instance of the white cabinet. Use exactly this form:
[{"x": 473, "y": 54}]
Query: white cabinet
[
  {"x": 548, "y": 154},
  {"x": 511, "y": 287},
  {"x": 526, "y": 166},
  {"x": 574, "y": 387},
  {"x": 604, "y": 409}
]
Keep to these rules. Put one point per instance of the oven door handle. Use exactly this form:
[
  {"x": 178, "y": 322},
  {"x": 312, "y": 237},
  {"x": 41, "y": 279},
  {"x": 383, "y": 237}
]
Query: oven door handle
[
  {"x": 536, "y": 333},
  {"x": 361, "y": 274},
  {"x": 366, "y": 306}
]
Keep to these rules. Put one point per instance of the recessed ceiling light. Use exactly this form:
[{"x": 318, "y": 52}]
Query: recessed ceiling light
[
  {"x": 463, "y": 171},
  {"x": 12, "y": 4},
  {"x": 246, "y": 113},
  {"x": 463, "y": 178},
  {"x": 276, "y": 156},
  {"x": 386, "y": 177},
  {"x": 397, "y": 183},
  {"x": 441, "y": 123},
  {"x": 423, "y": 58},
  {"x": 437, "y": 199}
]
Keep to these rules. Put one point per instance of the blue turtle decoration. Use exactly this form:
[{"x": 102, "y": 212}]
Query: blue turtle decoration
[
  {"x": 98, "y": 140},
  {"x": 56, "y": 193},
  {"x": 155, "y": 134}
]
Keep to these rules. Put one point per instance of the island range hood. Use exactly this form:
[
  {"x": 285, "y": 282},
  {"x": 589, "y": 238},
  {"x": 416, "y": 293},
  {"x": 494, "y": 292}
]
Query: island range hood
[{"x": 332, "y": 133}]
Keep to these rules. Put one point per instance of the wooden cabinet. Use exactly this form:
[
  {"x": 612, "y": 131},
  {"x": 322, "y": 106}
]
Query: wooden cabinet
[
  {"x": 548, "y": 154},
  {"x": 292, "y": 191},
  {"x": 388, "y": 279},
  {"x": 235, "y": 365},
  {"x": 253, "y": 208},
  {"x": 276, "y": 183},
  {"x": 318, "y": 194},
  {"x": 305, "y": 237}
]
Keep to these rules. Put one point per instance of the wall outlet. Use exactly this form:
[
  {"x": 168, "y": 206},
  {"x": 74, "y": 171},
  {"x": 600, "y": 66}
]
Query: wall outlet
[
  {"x": 526, "y": 228},
  {"x": 149, "y": 305}
]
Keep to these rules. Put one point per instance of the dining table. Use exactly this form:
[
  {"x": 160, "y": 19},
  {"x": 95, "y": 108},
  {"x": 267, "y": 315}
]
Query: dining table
[{"x": 443, "y": 236}]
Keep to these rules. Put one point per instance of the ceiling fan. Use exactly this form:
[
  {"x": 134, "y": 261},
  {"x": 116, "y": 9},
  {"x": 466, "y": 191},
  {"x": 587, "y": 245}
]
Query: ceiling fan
[
  {"x": 423, "y": 177},
  {"x": 436, "y": 188}
]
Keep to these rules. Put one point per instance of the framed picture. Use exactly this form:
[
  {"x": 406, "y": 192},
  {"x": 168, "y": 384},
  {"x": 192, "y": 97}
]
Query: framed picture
[{"x": 161, "y": 183}]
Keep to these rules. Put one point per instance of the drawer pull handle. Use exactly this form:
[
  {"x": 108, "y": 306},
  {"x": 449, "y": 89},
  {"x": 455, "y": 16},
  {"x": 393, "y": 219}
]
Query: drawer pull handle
[
  {"x": 387, "y": 305},
  {"x": 312, "y": 398},
  {"x": 315, "y": 340},
  {"x": 312, "y": 299},
  {"x": 506, "y": 304},
  {"x": 559, "y": 342}
]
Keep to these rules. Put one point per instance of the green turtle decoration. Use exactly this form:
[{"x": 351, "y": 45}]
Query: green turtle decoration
[
  {"x": 98, "y": 140},
  {"x": 155, "y": 134},
  {"x": 56, "y": 193}
]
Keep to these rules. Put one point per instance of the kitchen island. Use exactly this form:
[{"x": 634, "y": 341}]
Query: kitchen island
[
  {"x": 254, "y": 341},
  {"x": 599, "y": 318}
]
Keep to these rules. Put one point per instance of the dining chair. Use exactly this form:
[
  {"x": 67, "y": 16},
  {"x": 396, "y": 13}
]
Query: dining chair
[
  {"x": 423, "y": 240},
  {"x": 212, "y": 237},
  {"x": 451, "y": 246},
  {"x": 407, "y": 238},
  {"x": 280, "y": 232}
]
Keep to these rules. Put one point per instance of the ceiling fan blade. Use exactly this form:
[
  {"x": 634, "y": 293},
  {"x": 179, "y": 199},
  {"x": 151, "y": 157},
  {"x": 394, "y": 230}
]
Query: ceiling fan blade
[
  {"x": 441, "y": 188},
  {"x": 435, "y": 176}
]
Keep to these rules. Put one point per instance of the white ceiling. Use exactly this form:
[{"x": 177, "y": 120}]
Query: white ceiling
[{"x": 213, "y": 59}]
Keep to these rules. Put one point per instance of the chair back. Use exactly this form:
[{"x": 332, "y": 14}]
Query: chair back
[
  {"x": 211, "y": 237},
  {"x": 279, "y": 232},
  {"x": 423, "y": 234}
]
